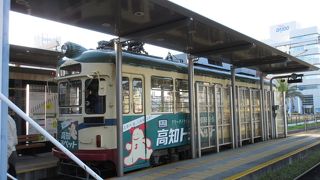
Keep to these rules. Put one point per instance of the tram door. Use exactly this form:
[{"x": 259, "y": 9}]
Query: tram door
[
  {"x": 206, "y": 117},
  {"x": 134, "y": 130}
]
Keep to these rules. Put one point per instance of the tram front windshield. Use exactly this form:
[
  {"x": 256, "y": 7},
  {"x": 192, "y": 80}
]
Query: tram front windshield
[
  {"x": 94, "y": 103},
  {"x": 70, "y": 97}
]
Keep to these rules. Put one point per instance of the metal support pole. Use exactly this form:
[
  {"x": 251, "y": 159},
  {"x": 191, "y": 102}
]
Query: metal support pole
[
  {"x": 251, "y": 114},
  {"x": 216, "y": 116},
  {"x": 191, "y": 92},
  {"x": 118, "y": 51},
  {"x": 272, "y": 121},
  {"x": 45, "y": 105},
  {"x": 241, "y": 93},
  {"x": 267, "y": 117},
  {"x": 4, "y": 75},
  {"x": 262, "y": 107},
  {"x": 234, "y": 112},
  {"x": 191, "y": 106},
  {"x": 198, "y": 122},
  {"x": 285, "y": 121},
  {"x": 232, "y": 121},
  {"x": 305, "y": 123}
]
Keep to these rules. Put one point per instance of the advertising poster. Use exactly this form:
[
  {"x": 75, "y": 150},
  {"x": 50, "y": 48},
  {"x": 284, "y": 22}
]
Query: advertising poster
[
  {"x": 41, "y": 107},
  {"x": 69, "y": 134}
]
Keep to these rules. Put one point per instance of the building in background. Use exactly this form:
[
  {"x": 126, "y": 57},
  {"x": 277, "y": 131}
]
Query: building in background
[
  {"x": 304, "y": 44},
  {"x": 47, "y": 41}
]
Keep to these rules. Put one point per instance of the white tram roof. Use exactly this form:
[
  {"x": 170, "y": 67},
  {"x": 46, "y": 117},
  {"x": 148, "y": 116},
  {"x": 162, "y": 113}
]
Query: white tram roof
[{"x": 165, "y": 24}]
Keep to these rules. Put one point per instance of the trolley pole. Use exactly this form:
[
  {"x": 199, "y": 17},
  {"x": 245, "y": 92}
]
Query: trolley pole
[
  {"x": 234, "y": 107},
  {"x": 191, "y": 105},
  {"x": 4, "y": 76},
  {"x": 118, "y": 51}
]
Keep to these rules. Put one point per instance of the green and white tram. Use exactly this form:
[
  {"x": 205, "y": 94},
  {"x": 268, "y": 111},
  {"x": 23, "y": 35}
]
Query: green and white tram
[{"x": 156, "y": 123}]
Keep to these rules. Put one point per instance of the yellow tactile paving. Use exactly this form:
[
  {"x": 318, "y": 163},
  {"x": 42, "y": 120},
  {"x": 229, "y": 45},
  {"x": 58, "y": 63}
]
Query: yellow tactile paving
[
  {"x": 260, "y": 166},
  {"x": 240, "y": 162},
  {"x": 216, "y": 170}
]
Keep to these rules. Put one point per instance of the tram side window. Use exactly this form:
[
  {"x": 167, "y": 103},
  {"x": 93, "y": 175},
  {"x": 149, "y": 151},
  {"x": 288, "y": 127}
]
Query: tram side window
[
  {"x": 94, "y": 103},
  {"x": 137, "y": 94},
  {"x": 182, "y": 96},
  {"x": 70, "y": 70},
  {"x": 125, "y": 95},
  {"x": 161, "y": 94}
]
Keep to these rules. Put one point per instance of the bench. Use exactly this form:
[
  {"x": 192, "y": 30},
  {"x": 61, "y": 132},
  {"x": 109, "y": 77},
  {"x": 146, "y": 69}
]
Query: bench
[{"x": 29, "y": 142}]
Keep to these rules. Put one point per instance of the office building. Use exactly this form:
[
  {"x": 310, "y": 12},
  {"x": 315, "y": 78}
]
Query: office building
[{"x": 302, "y": 43}]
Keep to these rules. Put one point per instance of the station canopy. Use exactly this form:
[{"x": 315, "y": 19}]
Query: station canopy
[
  {"x": 21, "y": 55},
  {"x": 165, "y": 24}
]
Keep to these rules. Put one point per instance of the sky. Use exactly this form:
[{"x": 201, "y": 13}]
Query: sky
[
  {"x": 254, "y": 17},
  {"x": 250, "y": 17}
]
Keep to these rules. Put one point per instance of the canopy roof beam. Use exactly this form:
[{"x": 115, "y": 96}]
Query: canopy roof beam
[
  {"x": 156, "y": 29},
  {"x": 226, "y": 48},
  {"x": 260, "y": 61},
  {"x": 287, "y": 70}
]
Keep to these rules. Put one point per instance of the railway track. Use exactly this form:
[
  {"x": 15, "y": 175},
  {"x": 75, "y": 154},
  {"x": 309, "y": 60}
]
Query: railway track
[{"x": 311, "y": 174}]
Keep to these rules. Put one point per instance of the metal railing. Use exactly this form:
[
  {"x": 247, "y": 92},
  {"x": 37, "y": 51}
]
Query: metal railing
[
  {"x": 49, "y": 137},
  {"x": 11, "y": 177},
  {"x": 303, "y": 121}
]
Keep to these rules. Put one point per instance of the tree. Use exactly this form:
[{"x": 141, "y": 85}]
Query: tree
[{"x": 290, "y": 90}]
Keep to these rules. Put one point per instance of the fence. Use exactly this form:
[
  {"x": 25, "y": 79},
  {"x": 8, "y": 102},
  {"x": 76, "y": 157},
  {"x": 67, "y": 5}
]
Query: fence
[{"x": 303, "y": 121}]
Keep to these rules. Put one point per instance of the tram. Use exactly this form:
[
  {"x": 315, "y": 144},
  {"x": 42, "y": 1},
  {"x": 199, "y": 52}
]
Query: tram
[{"x": 156, "y": 123}]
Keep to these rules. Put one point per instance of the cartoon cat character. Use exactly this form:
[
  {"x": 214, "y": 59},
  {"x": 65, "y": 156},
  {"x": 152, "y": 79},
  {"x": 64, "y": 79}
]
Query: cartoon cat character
[
  {"x": 139, "y": 147},
  {"x": 73, "y": 131}
]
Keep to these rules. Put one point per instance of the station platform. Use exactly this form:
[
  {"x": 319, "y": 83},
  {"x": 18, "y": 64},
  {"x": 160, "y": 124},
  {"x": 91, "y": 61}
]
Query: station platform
[
  {"x": 38, "y": 166},
  {"x": 233, "y": 163}
]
